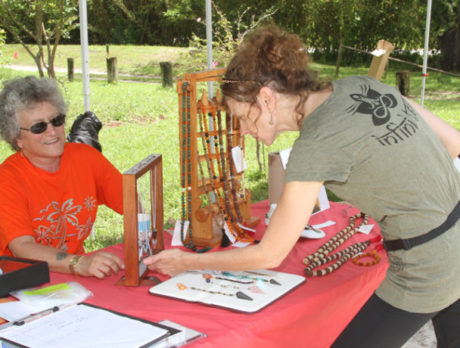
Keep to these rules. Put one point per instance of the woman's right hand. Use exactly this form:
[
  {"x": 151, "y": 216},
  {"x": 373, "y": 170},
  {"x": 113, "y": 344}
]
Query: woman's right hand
[{"x": 99, "y": 264}]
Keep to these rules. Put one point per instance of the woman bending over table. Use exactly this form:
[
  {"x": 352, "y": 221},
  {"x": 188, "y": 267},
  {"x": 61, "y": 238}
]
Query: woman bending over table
[
  {"x": 49, "y": 189},
  {"x": 374, "y": 148}
]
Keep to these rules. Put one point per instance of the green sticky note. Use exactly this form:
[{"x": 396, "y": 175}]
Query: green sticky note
[{"x": 48, "y": 289}]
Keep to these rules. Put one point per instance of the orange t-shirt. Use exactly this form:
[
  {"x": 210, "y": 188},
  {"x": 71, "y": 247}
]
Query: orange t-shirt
[{"x": 59, "y": 208}]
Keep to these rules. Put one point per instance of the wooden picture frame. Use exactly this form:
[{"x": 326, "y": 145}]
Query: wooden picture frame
[{"x": 135, "y": 270}]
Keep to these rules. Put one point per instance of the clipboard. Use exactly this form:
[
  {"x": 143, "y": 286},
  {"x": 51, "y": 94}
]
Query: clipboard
[{"x": 86, "y": 325}]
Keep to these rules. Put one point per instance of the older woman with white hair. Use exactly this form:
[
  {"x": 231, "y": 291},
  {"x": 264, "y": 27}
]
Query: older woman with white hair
[{"x": 49, "y": 189}]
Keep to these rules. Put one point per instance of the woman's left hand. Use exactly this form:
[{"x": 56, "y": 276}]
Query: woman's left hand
[{"x": 170, "y": 262}]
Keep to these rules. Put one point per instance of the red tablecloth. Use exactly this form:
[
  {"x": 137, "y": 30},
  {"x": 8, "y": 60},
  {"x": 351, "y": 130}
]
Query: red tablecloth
[{"x": 312, "y": 315}]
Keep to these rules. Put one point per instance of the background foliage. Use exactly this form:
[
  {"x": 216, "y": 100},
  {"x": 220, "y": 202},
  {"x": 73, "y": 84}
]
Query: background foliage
[{"x": 323, "y": 24}]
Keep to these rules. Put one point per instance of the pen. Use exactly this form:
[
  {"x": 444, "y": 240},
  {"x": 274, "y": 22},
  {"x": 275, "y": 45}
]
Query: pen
[{"x": 30, "y": 317}]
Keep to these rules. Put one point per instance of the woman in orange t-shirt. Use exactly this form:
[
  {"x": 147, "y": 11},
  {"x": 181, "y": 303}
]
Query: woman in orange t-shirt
[{"x": 50, "y": 189}]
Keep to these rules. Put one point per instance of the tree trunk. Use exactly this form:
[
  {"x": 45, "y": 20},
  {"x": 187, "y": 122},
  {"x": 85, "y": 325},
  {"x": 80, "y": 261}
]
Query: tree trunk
[
  {"x": 70, "y": 69},
  {"x": 457, "y": 42}
]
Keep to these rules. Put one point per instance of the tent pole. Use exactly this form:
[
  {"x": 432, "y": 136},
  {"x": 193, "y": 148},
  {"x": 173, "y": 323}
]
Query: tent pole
[
  {"x": 84, "y": 52},
  {"x": 425, "y": 49}
]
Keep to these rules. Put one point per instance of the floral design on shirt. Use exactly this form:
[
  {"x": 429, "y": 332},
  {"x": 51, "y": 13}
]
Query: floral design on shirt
[
  {"x": 56, "y": 219},
  {"x": 90, "y": 203}
]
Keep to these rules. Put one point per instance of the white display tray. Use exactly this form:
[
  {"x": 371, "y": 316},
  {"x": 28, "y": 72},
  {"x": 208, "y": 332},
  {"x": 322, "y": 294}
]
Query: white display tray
[{"x": 229, "y": 289}]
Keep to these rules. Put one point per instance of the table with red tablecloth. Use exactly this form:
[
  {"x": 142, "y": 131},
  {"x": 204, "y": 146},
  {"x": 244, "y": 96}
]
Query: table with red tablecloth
[{"x": 311, "y": 315}]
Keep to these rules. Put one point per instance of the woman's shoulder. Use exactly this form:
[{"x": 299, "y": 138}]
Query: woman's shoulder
[
  {"x": 81, "y": 149},
  {"x": 10, "y": 163},
  {"x": 353, "y": 79}
]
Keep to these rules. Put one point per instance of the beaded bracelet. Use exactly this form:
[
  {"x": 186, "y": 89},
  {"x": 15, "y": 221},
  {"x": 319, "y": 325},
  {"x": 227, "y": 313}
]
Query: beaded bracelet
[{"x": 373, "y": 254}]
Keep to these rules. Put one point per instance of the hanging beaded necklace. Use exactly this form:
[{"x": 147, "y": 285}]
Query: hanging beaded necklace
[
  {"x": 324, "y": 254},
  {"x": 226, "y": 181},
  {"x": 227, "y": 213},
  {"x": 239, "y": 294},
  {"x": 229, "y": 127},
  {"x": 186, "y": 178}
]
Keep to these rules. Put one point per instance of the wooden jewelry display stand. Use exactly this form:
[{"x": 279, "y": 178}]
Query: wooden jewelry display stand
[
  {"x": 213, "y": 197},
  {"x": 141, "y": 240}
]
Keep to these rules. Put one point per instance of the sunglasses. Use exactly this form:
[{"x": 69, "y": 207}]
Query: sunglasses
[{"x": 40, "y": 127}]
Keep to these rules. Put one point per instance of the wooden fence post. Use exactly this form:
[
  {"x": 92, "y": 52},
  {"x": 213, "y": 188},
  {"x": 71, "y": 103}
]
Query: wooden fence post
[
  {"x": 339, "y": 59},
  {"x": 166, "y": 74},
  {"x": 112, "y": 72},
  {"x": 380, "y": 61},
  {"x": 403, "y": 82},
  {"x": 70, "y": 69}
]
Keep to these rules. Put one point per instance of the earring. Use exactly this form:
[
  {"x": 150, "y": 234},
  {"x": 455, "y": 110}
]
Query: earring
[
  {"x": 271, "y": 119},
  {"x": 271, "y": 114}
]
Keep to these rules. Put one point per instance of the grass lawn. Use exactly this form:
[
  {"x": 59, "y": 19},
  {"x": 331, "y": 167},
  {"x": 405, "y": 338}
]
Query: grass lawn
[{"x": 142, "y": 118}]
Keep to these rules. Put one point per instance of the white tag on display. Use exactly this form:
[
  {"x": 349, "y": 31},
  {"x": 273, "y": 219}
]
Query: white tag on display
[
  {"x": 238, "y": 159},
  {"x": 176, "y": 240},
  {"x": 366, "y": 229}
]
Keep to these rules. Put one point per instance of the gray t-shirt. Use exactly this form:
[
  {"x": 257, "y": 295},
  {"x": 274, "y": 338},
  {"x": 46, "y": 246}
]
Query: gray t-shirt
[{"x": 372, "y": 149}]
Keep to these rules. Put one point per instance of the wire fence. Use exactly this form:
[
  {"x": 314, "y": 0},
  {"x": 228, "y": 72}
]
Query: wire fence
[{"x": 404, "y": 62}]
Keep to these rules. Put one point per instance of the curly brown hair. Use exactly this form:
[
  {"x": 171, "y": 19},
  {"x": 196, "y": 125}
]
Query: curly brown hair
[{"x": 272, "y": 57}]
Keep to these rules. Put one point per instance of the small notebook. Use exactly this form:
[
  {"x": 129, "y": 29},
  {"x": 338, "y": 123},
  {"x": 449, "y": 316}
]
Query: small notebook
[{"x": 241, "y": 291}]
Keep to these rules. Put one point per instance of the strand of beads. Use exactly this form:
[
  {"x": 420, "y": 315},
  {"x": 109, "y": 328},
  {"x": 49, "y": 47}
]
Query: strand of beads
[
  {"x": 324, "y": 254},
  {"x": 243, "y": 236},
  {"x": 229, "y": 128},
  {"x": 239, "y": 294},
  {"x": 372, "y": 254},
  {"x": 186, "y": 175},
  {"x": 341, "y": 257},
  {"x": 186, "y": 158},
  {"x": 237, "y": 232},
  {"x": 337, "y": 239}
]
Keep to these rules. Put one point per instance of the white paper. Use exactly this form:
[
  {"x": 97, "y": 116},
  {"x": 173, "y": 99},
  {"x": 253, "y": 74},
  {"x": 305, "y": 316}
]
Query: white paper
[
  {"x": 238, "y": 159},
  {"x": 84, "y": 326},
  {"x": 323, "y": 200},
  {"x": 229, "y": 234},
  {"x": 366, "y": 229},
  {"x": 240, "y": 244},
  {"x": 177, "y": 239},
  {"x": 312, "y": 234},
  {"x": 325, "y": 224},
  {"x": 15, "y": 310},
  {"x": 322, "y": 197},
  {"x": 284, "y": 156},
  {"x": 378, "y": 52},
  {"x": 246, "y": 228},
  {"x": 457, "y": 163}
]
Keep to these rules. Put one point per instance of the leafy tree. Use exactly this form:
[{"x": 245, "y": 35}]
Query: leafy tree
[
  {"x": 40, "y": 23},
  {"x": 445, "y": 28}
]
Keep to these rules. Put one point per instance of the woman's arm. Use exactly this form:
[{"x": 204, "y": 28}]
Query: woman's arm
[
  {"x": 449, "y": 136},
  {"x": 286, "y": 225},
  {"x": 99, "y": 264}
]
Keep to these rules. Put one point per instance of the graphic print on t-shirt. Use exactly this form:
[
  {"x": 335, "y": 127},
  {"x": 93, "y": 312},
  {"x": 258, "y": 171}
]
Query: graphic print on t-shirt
[
  {"x": 59, "y": 222},
  {"x": 393, "y": 123}
]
